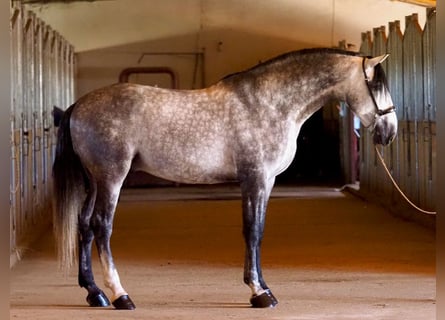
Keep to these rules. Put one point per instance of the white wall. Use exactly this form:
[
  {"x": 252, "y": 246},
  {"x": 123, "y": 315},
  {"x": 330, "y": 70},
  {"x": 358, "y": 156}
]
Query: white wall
[{"x": 111, "y": 35}]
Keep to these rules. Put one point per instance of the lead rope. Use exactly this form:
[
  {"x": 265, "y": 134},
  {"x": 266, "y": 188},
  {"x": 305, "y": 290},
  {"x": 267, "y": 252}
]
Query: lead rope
[{"x": 397, "y": 186}]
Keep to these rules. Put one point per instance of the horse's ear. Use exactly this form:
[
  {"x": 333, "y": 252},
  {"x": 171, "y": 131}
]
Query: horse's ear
[
  {"x": 372, "y": 62},
  {"x": 382, "y": 58}
]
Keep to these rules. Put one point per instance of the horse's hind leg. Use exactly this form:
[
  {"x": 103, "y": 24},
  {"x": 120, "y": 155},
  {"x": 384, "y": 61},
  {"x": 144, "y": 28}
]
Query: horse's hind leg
[
  {"x": 96, "y": 297},
  {"x": 255, "y": 194},
  {"x": 102, "y": 223}
]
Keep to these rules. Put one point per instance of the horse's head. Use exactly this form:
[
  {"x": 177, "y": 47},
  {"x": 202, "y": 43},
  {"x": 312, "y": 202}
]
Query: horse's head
[{"x": 372, "y": 102}]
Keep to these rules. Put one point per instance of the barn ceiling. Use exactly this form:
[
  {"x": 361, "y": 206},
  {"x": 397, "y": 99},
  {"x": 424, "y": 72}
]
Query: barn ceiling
[{"x": 95, "y": 24}]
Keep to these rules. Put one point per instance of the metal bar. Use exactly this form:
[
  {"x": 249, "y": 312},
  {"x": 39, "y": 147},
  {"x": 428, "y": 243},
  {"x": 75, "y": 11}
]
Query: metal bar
[
  {"x": 413, "y": 101},
  {"x": 37, "y": 81},
  {"x": 394, "y": 46},
  {"x": 365, "y": 136},
  {"x": 71, "y": 75},
  {"x": 169, "y": 53},
  {"x": 41, "y": 203},
  {"x": 126, "y": 73},
  {"x": 16, "y": 42},
  {"x": 27, "y": 133},
  {"x": 379, "y": 181},
  {"x": 427, "y": 195}
]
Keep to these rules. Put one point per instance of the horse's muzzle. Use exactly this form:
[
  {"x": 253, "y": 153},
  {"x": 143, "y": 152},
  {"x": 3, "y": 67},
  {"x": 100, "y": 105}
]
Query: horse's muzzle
[
  {"x": 383, "y": 139},
  {"x": 385, "y": 129}
]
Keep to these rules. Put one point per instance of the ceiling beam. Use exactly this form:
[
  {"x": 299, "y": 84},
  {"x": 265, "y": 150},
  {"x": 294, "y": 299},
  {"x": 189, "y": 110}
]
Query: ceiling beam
[
  {"x": 423, "y": 3},
  {"x": 52, "y": 1}
]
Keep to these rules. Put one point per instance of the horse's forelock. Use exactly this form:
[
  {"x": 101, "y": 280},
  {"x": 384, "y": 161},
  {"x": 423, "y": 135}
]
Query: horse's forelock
[{"x": 379, "y": 81}]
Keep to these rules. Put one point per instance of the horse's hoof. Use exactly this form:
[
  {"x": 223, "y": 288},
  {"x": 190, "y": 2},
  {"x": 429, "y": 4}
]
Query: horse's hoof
[
  {"x": 124, "y": 303},
  {"x": 98, "y": 299},
  {"x": 264, "y": 300}
]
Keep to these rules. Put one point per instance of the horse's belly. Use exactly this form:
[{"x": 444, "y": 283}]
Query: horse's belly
[{"x": 188, "y": 167}]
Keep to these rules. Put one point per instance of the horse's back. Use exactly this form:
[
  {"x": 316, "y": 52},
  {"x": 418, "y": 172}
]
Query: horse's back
[{"x": 177, "y": 135}]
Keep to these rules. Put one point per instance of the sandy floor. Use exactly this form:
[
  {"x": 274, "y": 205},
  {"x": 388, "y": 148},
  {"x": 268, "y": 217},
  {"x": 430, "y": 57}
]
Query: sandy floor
[{"x": 326, "y": 255}]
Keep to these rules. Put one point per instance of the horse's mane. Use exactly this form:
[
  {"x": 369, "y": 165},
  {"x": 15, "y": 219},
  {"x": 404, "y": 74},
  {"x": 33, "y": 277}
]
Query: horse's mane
[{"x": 291, "y": 56}]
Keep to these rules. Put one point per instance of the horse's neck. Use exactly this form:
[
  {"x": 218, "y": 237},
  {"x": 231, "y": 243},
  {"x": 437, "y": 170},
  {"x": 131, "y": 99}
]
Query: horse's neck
[
  {"x": 300, "y": 91},
  {"x": 294, "y": 88}
]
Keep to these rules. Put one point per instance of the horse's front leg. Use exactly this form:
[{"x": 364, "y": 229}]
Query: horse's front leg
[{"x": 255, "y": 196}]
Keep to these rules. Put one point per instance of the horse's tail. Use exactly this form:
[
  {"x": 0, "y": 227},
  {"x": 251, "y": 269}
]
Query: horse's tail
[{"x": 69, "y": 194}]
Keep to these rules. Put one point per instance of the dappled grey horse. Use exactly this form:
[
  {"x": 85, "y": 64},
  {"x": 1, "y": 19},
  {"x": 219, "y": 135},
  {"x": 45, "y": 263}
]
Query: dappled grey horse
[{"x": 244, "y": 128}]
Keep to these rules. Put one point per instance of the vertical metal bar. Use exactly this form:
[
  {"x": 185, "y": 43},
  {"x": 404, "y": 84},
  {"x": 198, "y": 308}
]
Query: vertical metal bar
[
  {"x": 28, "y": 92},
  {"x": 72, "y": 68},
  {"x": 38, "y": 195},
  {"x": 429, "y": 63},
  {"x": 46, "y": 113},
  {"x": 18, "y": 111},
  {"x": 69, "y": 73},
  {"x": 365, "y": 136},
  {"x": 395, "y": 84},
  {"x": 31, "y": 107},
  {"x": 19, "y": 119},
  {"x": 63, "y": 69},
  {"x": 54, "y": 81},
  {"x": 380, "y": 182},
  {"x": 57, "y": 71},
  {"x": 16, "y": 39},
  {"x": 61, "y": 60},
  {"x": 413, "y": 100},
  {"x": 427, "y": 195}
]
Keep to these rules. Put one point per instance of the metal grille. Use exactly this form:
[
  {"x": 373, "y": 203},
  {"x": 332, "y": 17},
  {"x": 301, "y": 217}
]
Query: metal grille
[
  {"x": 411, "y": 78},
  {"x": 42, "y": 76}
]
